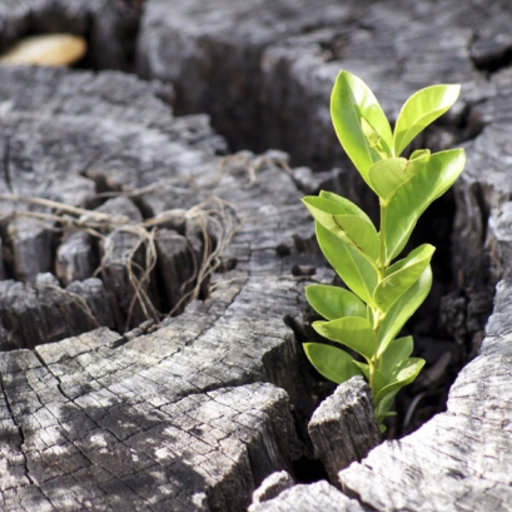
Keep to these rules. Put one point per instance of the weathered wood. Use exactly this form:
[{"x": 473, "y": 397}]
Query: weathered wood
[
  {"x": 461, "y": 459},
  {"x": 158, "y": 421},
  {"x": 43, "y": 311},
  {"x": 122, "y": 253},
  {"x": 176, "y": 261},
  {"x": 307, "y": 498},
  {"x": 272, "y": 486},
  {"x": 295, "y": 77},
  {"x": 30, "y": 246},
  {"x": 74, "y": 144},
  {"x": 282, "y": 70},
  {"x": 123, "y": 446},
  {"x": 75, "y": 259},
  {"x": 110, "y": 132},
  {"x": 343, "y": 428}
]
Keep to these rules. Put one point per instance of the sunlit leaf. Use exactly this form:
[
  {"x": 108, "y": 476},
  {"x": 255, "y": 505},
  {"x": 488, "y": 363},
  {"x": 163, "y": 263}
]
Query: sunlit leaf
[
  {"x": 385, "y": 176},
  {"x": 403, "y": 309},
  {"x": 349, "y": 206},
  {"x": 333, "y": 302},
  {"x": 421, "y": 109},
  {"x": 405, "y": 376},
  {"x": 405, "y": 206},
  {"x": 382, "y": 295},
  {"x": 331, "y": 362},
  {"x": 355, "y": 230},
  {"x": 359, "y": 122},
  {"x": 356, "y": 271},
  {"x": 354, "y": 332},
  {"x": 401, "y": 276}
]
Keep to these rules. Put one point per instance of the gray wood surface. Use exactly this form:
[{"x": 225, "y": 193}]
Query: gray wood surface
[
  {"x": 305, "y": 498},
  {"x": 272, "y": 486},
  {"x": 343, "y": 428},
  {"x": 193, "y": 415},
  {"x": 177, "y": 419}
]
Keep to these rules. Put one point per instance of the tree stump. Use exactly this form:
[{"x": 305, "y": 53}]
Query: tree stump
[
  {"x": 177, "y": 419},
  {"x": 194, "y": 414}
]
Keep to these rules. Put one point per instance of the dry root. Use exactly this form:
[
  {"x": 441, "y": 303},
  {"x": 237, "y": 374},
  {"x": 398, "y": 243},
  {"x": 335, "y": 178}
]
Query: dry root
[{"x": 215, "y": 219}]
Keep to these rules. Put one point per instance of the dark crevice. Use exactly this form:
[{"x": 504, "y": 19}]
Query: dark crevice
[
  {"x": 21, "y": 436},
  {"x": 307, "y": 470},
  {"x": 491, "y": 56},
  {"x": 6, "y": 166}
]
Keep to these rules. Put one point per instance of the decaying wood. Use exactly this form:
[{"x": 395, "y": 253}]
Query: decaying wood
[
  {"x": 177, "y": 261},
  {"x": 75, "y": 260},
  {"x": 272, "y": 486},
  {"x": 306, "y": 498},
  {"x": 193, "y": 416},
  {"x": 176, "y": 419},
  {"x": 343, "y": 428},
  {"x": 44, "y": 311},
  {"x": 129, "y": 442},
  {"x": 294, "y": 68},
  {"x": 30, "y": 247}
]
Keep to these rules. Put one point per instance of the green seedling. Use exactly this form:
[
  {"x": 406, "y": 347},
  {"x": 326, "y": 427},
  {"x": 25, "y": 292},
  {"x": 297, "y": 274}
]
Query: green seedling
[{"x": 382, "y": 292}]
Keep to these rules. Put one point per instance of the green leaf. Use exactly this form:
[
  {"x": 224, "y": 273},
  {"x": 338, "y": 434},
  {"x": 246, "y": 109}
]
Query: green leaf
[
  {"x": 331, "y": 362},
  {"x": 396, "y": 353},
  {"x": 403, "y": 309},
  {"x": 383, "y": 406},
  {"x": 410, "y": 200},
  {"x": 405, "y": 376},
  {"x": 354, "y": 332},
  {"x": 401, "y": 276},
  {"x": 349, "y": 206},
  {"x": 352, "y": 229},
  {"x": 385, "y": 176},
  {"x": 364, "y": 369},
  {"x": 420, "y": 155},
  {"x": 359, "y": 122},
  {"x": 333, "y": 302},
  {"x": 421, "y": 109},
  {"x": 357, "y": 272}
]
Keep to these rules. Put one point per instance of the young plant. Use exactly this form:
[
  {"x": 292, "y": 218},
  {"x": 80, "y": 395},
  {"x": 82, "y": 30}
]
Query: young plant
[{"x": 382, "y": 292}]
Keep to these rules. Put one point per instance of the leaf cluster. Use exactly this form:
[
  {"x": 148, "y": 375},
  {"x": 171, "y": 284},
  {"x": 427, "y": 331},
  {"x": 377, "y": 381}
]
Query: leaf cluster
[{"x": 383, "y": 287}]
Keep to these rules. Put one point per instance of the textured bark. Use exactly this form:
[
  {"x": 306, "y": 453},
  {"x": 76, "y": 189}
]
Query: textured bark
[
  {"x": 177, "y": 419},
  {"x": 292, "y": 63},
  {"x": 86, "y": 438},
  {"x": 26, "y": 239},
  {"x": 343, "y": 428},
  {"x": 272, "y": 486},
  {"x": 306, "y": 498},
  {"x": 279, "y": 61},
  {"x": 75, "y": 259},
  {"x": 43, "y": 311}
]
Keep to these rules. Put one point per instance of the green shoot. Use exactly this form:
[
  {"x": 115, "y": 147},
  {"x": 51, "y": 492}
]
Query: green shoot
[{"x": 382, "y": 291}]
